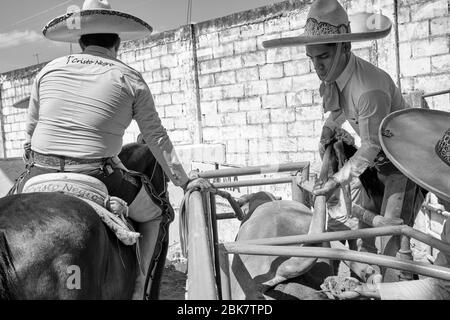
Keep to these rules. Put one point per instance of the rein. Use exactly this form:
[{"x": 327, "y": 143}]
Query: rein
[{"x": 168, "y": 216}]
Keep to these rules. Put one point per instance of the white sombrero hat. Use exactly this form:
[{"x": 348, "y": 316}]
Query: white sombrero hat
[
  {"x": 327, "y": 22},
  {"x": 417, "y": 141},
  {"x": 96, "y": 16}
]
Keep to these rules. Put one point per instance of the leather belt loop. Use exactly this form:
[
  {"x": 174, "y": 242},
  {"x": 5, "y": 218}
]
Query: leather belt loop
[{"x": 61, "y": 164}]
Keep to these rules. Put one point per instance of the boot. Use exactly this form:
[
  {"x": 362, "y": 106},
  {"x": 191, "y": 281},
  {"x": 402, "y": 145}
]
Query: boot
[{"x": 147, "y": 242}]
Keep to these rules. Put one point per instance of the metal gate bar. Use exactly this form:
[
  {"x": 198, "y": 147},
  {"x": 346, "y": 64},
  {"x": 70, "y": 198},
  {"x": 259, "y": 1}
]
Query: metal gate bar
[
  {"x": 339, "y": 254},
  {"x": 351, "y": 234}
]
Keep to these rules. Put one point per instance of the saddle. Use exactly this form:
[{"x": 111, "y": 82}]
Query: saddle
[{"x": 112, "y": 211}]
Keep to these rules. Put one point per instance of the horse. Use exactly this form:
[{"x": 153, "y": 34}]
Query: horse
[{"x": 54, "y": 246}]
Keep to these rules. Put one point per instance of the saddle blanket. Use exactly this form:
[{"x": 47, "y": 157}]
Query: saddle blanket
[{"x": 92, "y": 191}]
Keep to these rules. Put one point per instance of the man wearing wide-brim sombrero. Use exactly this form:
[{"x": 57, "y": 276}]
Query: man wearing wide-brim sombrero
[
  {"x": 353, "y": 89},
  {"x": 81, "y": 104},
  {"x": 417, "y": 141}
]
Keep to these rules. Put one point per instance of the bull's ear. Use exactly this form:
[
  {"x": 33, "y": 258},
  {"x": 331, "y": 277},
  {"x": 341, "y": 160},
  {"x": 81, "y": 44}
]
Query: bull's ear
[{"x": 140, "y": 139}]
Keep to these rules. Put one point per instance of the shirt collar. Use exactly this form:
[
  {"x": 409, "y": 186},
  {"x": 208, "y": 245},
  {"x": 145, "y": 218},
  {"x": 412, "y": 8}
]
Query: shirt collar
[
  {"x": 99, "y": 51},
  {"x": 343, "y": 78}
]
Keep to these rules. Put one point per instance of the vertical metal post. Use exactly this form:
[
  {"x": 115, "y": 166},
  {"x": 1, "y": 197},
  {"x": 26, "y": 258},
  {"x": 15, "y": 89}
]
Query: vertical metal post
[
  {"x": 201, "y": 280},
  {"x": 225, "y": 274},
  {"x": 405, "y": 253},
  {"x": 213, "y": 215}
]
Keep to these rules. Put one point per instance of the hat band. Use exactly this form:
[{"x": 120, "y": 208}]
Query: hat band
[
  {"x": 316, "y": 28},
  {"x": 443, "y": 147}
]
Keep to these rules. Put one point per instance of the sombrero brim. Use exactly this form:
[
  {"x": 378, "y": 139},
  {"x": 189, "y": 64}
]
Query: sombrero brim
[
  {"x": 364, "y": 26},
  {"x": 66, "y": 29},
  {"x": 411, "y": 148}
]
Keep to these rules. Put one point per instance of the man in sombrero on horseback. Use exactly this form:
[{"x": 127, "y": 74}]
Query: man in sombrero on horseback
[
  {"x": 81, "y": 104},
  {"x": 356, "y": 91}
]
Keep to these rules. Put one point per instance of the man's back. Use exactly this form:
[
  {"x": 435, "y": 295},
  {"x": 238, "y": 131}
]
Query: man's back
[{"x": 85, "y": 104}]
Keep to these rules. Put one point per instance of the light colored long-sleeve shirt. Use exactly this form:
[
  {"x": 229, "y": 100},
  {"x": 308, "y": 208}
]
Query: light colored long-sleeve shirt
[
  {"x": 81, "y": 104},
  {"x": 368, "y": 94},
  {"x": 424, "y": 289}
]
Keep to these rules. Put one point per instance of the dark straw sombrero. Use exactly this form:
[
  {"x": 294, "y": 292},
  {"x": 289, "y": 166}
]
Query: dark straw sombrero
[
  {"x": 417, "y": 141},
  {"x": 96, "y": 16},
  {"x": 327, "y": 22}
]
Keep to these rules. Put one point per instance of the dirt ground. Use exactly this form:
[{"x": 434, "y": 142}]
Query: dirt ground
[{"x": 173, "y": 284}]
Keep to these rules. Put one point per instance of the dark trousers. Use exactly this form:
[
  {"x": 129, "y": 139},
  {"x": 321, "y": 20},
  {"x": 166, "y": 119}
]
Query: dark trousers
[{"x": 118, "y": 182}]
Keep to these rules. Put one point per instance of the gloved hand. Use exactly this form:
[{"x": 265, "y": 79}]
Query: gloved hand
[
  {"x": 345, "y": 136},
  {"x": 326, "y": 189},
  {"x": 26, "y": 151},
  {"x": 325, "y": 138},
  {"x": 196, "y": 182}
]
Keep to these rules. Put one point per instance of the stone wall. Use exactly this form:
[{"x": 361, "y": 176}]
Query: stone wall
[{"x": 214, "y": 83}]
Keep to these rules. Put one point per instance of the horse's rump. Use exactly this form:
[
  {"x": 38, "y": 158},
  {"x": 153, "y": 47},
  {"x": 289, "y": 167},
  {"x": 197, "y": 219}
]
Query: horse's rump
[{"x": 60, "y": 249}]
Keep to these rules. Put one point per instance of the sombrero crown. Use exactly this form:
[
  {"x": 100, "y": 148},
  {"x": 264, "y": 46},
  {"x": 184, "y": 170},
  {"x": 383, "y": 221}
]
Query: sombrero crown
[
  {"x": 327, "y": 22},
  {"x": 96, "y": 16}
]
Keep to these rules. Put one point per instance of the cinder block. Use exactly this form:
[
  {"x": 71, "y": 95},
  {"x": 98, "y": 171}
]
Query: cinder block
[
  {"x": 208, "y": 40},
  {"x": 285, "y": 145},
  {"x": 308, "y": 144},
  {"x": 223, "y": 78},
  {"x": 271, "y": 71},
  {"x": 233, "y": 91},
  {"x": 223, "y": 50},
  {"x": 415, "y": 67},
  {"x": 258, "y": 117},
  {"x": 440, "y": 63},
  {"x": 155, "y": 87},
  {"x": 159, "y": 50},
  {"x": 248, "y": 104},
  {"x": 285, "y": 115},
  {"x": 275, "y": 130},
  {"x": 308, "y": 81},
  {"x": 429, "y": 10},
  {"x": 231, "y": 63},
  {"x": 169, "y": 61},
  {"x": 210, "y": 66},
  {"x": 274, "y": 101},
  {"x": 309, "y": 113},
  {"x": 278, "y": 54},
  {"x": 279, "y": 85},
  {"x": 206, "y": 80},
  {"x": 299, "y": 98},
  {"x": 161, "y": 75},
  {"x": 212, "y": 120},
  {"x": 230, "y": 35},
  {"x": 252, "y": 30},
  {"x": 432, "y": 83},
  {"x": 429, "y": 47},
  {"x": 235, "y": 118},
  {"x": 253, "y": 59},
  {"x": 162, "y": 99},
  {"x": 213, "y": 93},
  {"x": 440, "y": 26},
  {"x": 301, "y": 128},
  {"x": 228, "y": 105},
  {"x": 244, "y": 46},
  {"x": 205, "y": 54},
  {"x": 174, "y": 110},
  {"x": 296, "y": 67},
  {"x": 247, "y": 74},
  {"x": 413, "y": 30}
]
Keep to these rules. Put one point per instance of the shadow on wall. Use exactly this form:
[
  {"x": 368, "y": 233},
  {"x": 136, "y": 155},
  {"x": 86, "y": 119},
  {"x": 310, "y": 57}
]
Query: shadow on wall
[{"x": 9, "y": 171}]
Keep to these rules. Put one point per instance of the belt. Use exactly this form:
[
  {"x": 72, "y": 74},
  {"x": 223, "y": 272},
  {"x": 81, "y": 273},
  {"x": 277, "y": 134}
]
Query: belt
[{"x": 61, "y": 161}]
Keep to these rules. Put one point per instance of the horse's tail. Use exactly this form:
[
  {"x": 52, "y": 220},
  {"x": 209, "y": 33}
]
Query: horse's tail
[{"x": 7, "y": 271}]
